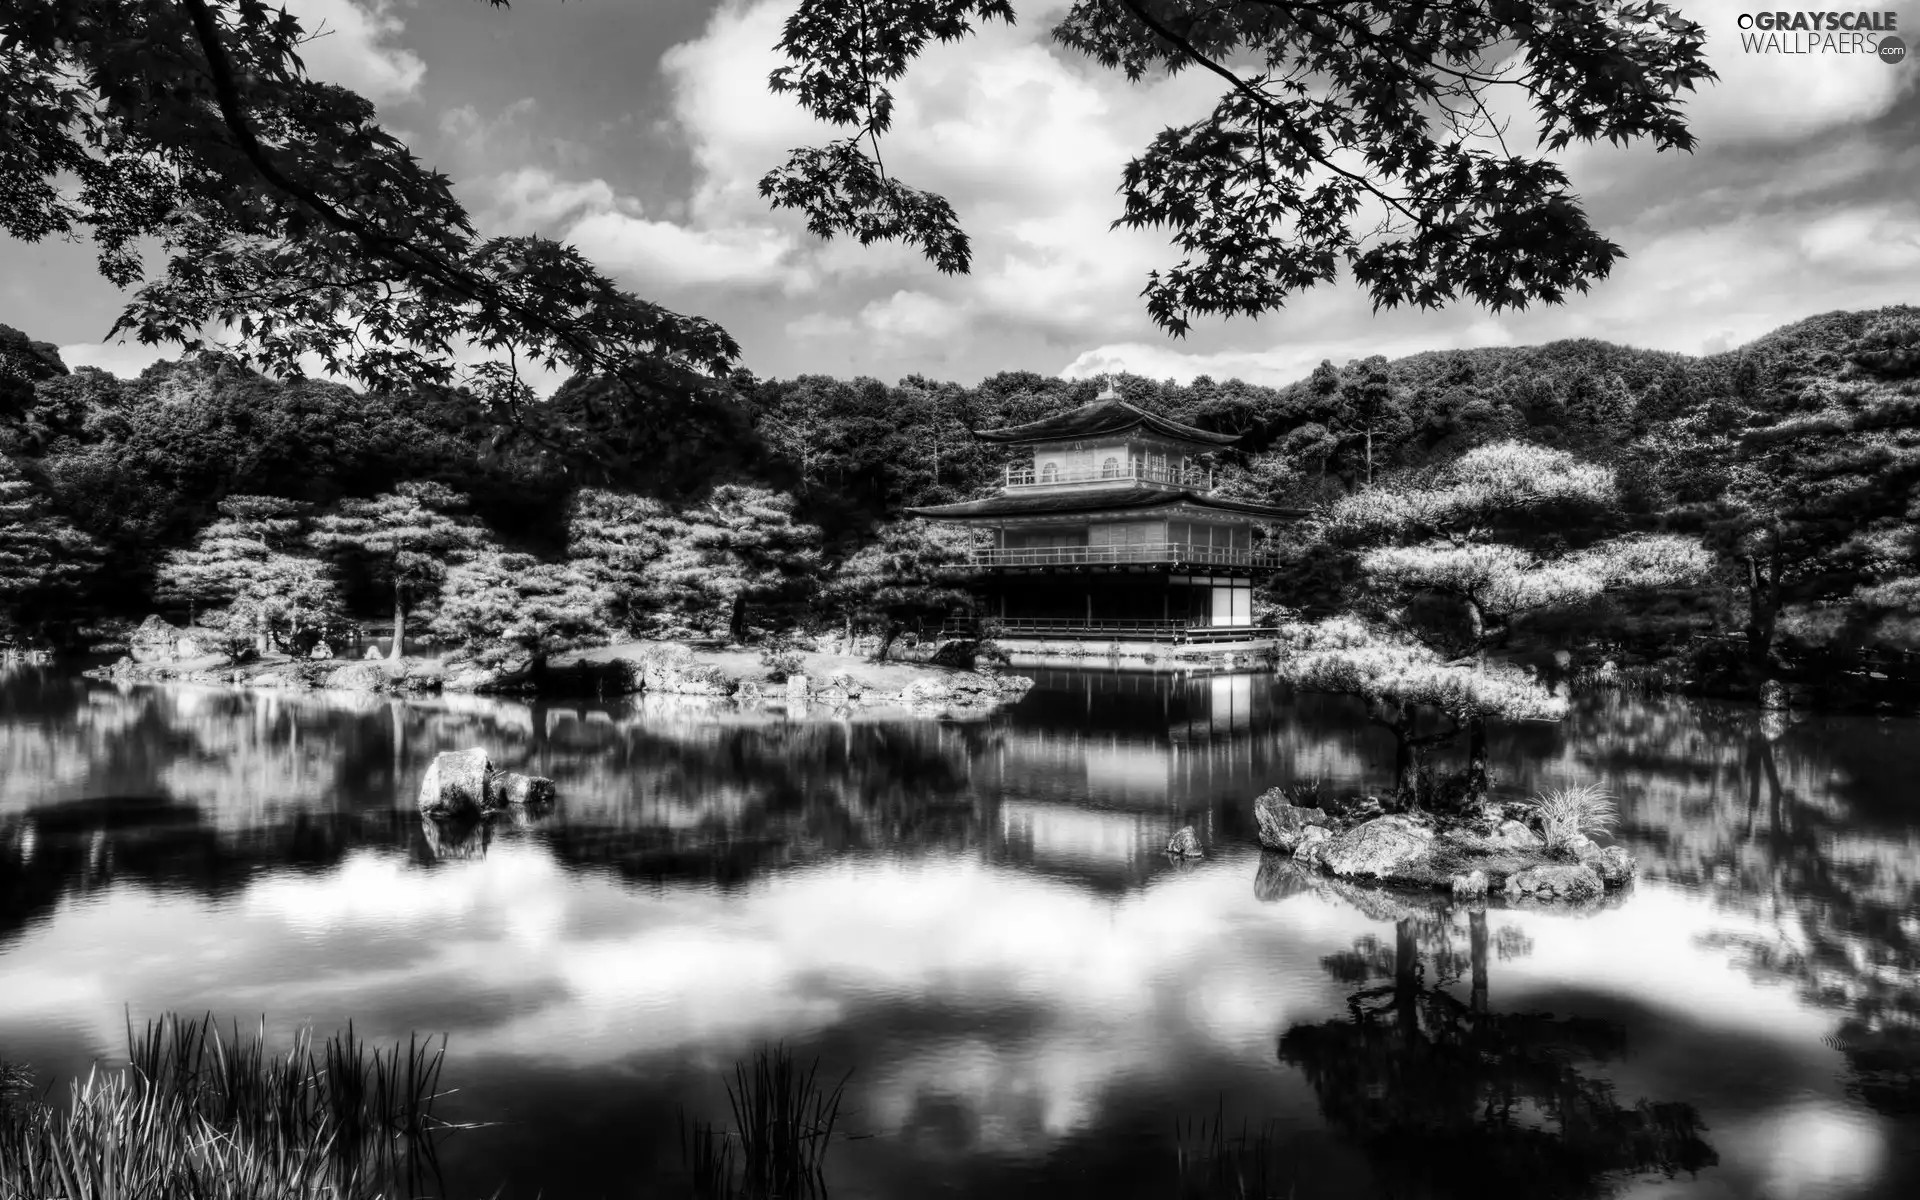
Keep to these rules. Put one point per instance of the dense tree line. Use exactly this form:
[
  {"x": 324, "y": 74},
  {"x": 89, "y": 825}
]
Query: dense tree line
[{"x": 1793, "y": 460}]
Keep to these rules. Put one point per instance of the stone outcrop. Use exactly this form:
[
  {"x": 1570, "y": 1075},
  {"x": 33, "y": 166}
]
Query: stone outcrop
[
  {"x": 1281, "y": 824},
  {"x": 458, "y": 784},
  {"x": 523, "y": 790},
  {"x": 1515, "y": 836},
  {"x": 462, "y": 785},
  {"x": 1383, "y": 848},
  {"x": 1571, "y": 881},
  {"x": 357, "y": 677},
  {"x": 1614, "y": 866}
]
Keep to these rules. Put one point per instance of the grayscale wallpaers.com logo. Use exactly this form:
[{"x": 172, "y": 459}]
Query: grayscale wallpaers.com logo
[{"x": 1823, "y": 33}]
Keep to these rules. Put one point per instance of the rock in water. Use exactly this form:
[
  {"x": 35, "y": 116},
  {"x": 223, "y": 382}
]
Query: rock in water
[
  {"x": 373, "y": 652},
  {"x": 1184, "y": 844},
  {"x": 515, "y": 789},
  {"x": 1281, "y": 824},
  {"x": 457, "y": 784},
  {"x": 1556, "y": 883},
  {"x": 797, "y": 687},
  {"x": 321, "y": 650},
  {"x": 1382, "y": 848},
  {"x": 1614, "y": 866}
]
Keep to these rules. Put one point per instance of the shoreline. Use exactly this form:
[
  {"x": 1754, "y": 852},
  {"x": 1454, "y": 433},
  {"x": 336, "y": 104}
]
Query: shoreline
[{"x": 721, "y": 675}]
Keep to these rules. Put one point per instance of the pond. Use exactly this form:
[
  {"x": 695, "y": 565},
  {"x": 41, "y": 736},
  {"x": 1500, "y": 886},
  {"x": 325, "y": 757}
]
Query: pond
[{"x": 976, "y": 919}]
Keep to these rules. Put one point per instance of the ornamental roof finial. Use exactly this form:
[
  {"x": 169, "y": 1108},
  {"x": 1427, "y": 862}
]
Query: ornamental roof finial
[{"x": 1109, "y": 393}]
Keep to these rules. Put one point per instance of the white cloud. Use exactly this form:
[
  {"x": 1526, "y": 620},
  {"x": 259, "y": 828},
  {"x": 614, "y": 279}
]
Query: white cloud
[
  {"x": 663, "y": 253},
  {"x": 125, "y": 359},
  {"x": 1865, "y": 241},
  {"x": 359, "y": 48},
  {"x": 912, "y": 317},
  {"x": 1783, "y": 97}
]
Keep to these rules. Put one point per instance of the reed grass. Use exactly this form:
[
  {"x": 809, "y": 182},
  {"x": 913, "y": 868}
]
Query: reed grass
[
  {"x": 1216, "y": 1163},
  {"x": 1568, "y": 812},
  {"x": 200, "y": 1115},
  {"x": 783, "y": 1123}
]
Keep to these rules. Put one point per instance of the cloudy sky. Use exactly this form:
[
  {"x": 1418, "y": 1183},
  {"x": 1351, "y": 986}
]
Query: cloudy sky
[{"x": 637, "y": 129}]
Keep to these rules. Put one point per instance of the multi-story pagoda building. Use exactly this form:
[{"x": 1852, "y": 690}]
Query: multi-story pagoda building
[{"x": 1109, "y": 529}]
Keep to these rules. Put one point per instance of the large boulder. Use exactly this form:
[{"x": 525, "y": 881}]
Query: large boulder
[
  {"x": 1185, "y": 843},
  {"x": 1281, "y": 824},
  {"x": 1556, "y": 882},
  {"x": 357, "y": 677},
  {"x": 1383, "y": 848},
  {"x": 458, "y": 784}
]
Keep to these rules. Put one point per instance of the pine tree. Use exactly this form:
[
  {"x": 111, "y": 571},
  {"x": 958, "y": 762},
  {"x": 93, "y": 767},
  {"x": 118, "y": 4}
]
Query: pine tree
[
  {"x": 230, "y": 552},
  {"x": 44, "y": 560},
  {"x": 614, "y": 540},
  {"x": 406, "y": 538},
  {"x": 909, "y": 569},
  {"x": 1453, "y": 541},
  {"x": 739, "y": 545},
  {"x": 494, "y": 602}
]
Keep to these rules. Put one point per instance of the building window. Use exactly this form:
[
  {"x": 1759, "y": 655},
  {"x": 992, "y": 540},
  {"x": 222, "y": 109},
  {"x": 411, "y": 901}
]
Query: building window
[
  {"x": 1110, "y": 469},
  {"x": 1049, "y": 473}
]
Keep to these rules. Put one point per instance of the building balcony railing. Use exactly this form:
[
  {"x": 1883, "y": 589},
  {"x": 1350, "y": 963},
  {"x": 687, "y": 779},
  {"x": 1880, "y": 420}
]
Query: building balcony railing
[
  {"x": 1106, "y": 630},
  {"x": 1196, "y": 553},
  {"x": 1198, "y": 478}
]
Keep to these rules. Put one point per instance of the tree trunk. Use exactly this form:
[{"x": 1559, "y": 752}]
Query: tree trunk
[
  {"x": 1763, "y": 614},
  {"x": 737, "y": 622},
  {"x": 894, "y": 629},
  {"x": 399, "y": 621},
  {"x": 1478, "y": 783}
]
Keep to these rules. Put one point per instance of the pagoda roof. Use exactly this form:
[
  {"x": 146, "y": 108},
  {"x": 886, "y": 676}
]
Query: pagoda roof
[
  {"x": 1107, "y": 415},
  {"x": 1104, "y": 500}
]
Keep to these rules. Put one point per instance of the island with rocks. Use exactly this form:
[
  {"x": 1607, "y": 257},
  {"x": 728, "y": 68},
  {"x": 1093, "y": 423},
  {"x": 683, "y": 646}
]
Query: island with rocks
[{"x": 1524, "y": 851}]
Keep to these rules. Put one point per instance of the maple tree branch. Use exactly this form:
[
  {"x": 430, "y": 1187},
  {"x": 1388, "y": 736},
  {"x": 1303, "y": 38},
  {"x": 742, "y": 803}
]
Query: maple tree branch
[{"x": 1264, "y": 101}]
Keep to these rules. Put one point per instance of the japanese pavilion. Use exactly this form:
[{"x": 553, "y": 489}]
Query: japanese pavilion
[{"x": 1111, "y": 531}]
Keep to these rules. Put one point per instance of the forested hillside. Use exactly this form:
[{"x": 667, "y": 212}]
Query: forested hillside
[{"x": 1795, "y": 458}]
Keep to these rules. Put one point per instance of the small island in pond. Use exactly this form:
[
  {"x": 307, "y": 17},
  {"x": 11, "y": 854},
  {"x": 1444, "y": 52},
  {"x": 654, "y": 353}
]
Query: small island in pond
[{"x": 1482, "y": 851}]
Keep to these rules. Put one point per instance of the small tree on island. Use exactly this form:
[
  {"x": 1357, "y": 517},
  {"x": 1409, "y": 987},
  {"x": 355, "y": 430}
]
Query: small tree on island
[
  {"x": 1442, "y": 589},
  {"x": 1399, "y": 678},
  {"x": 406, "y": 539},
  {"x": 498, "y": 604},
  {"x": 909, "y": 570}
]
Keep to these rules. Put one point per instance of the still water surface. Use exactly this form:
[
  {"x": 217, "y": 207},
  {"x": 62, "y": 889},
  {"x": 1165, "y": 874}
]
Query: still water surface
[{"x": 976, "y": 919}]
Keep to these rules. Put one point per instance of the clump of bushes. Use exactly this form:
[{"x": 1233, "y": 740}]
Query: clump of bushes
[
  {"x": 1567, "y": 813},
  {"x": 780, "y": 659}
]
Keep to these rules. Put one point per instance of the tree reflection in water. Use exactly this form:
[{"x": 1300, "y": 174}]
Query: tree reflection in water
[{"x": 1452, "y": 1098}]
